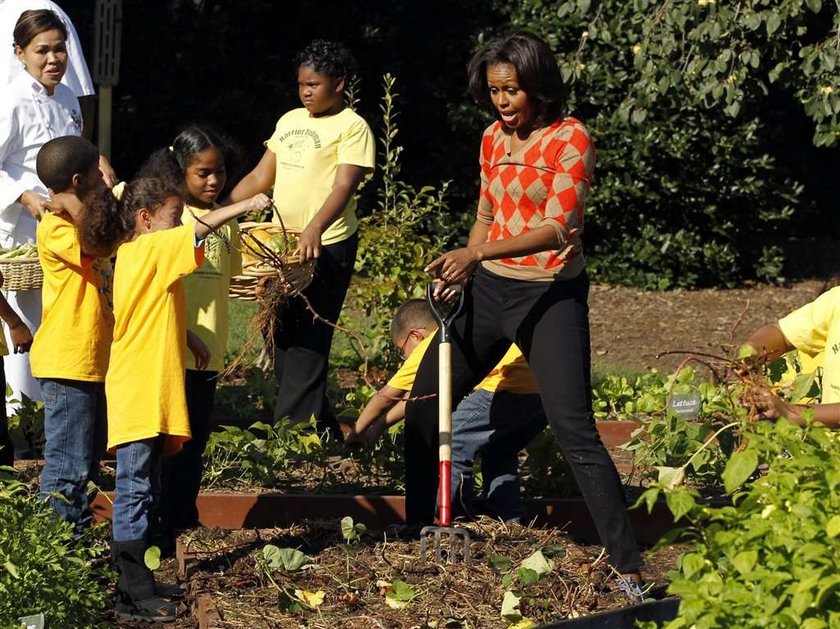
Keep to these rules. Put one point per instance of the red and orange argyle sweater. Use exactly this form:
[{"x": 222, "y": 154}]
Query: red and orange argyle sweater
[{"x": 543, "y": 182}]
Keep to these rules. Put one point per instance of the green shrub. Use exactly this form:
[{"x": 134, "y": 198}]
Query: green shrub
[
  {"x": 694, "y": 186},
  {"x": 43, "y": 568},
  {"x": 768, "y": 560}
]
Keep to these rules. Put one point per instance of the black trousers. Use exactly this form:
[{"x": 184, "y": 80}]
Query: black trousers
[
  {"x": 180, "y": 474},
  {"x": 549, "y": 321},
  {"x": 7, "y": 448},
  {"x": 302, "y": 344}
]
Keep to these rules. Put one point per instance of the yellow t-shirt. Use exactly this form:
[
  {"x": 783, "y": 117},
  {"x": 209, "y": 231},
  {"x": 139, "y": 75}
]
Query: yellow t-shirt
[
  {"x": 815, "y": 328},
  {"x": 145, "y": 385},
  {"x": 511, "y": 374},
  {"x": 206, "y": 290},
  {"x": 74, "y": 339},
  {"x": 309, "y": 151}
]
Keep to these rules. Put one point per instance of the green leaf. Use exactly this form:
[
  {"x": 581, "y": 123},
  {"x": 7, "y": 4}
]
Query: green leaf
[
  {"x": 289, "y": 559},
  {"x": 773, "y": 22},
  {"x": 400, "y": 594},
  {"x": 537, "y": 562},
  {"x": 744, "y": 561},
  {"x": 12, "y": 569},
  {"x": 802, "y": 384},
  {"x": 500, "y": 563},
  {"x": 152, "y": 558},
  {"x": 832, "y": 527},
  {"x": 814, "y": 5},
  {"x": 680, "y": 502},
  {"x": 351, "y": 531},
  {"x": 738, "y": 469},
  {"x": 528, "y": 576},
  {"x": 510, "y": 606},
  {"x": 671, "y": 477}
]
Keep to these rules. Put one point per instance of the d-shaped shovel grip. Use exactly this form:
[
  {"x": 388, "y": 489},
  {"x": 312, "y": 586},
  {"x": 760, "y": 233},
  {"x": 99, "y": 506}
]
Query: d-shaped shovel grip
[{"x": 444, "y": 404}]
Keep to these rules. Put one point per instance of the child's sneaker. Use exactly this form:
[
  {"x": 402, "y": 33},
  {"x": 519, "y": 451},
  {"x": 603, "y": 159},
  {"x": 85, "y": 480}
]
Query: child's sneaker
[{"x": 632, "y": 590}]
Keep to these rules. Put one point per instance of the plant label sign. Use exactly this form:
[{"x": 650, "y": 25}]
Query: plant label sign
[{"x": 687, "y": 405}]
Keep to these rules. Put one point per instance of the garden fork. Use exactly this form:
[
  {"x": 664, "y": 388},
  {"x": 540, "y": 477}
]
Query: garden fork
[{"x": 456, "y": 536}]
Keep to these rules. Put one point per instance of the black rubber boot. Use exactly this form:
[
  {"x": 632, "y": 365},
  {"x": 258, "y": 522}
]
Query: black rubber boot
[{"x": 136, "y": 595}]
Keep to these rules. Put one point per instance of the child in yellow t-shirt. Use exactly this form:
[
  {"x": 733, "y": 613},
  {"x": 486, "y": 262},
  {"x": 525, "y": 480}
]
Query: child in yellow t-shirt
[
  {"x": 22, "y": 341},
  {"x": 196, "y": 163},
  {"x": 76, "y": 316},
  {"x": 813, "y": 329},
  {"x": 498, "y": 419},
  {"x": 315, "y": 160},
  {"x": 147, "y": 418}
]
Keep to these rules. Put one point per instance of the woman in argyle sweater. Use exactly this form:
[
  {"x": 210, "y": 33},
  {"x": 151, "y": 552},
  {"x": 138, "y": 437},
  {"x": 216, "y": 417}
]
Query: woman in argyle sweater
[{"x": 526, "y": 283}]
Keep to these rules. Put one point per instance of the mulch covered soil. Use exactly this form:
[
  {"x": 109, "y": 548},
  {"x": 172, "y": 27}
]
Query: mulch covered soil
[
  {"x": 631, "y": 327},
  {"x": 355, "y": 578}
]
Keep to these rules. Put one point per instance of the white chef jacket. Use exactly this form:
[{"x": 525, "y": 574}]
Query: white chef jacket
[
  {"x": 29, "y": 118},
  {"x": 77, "y": 76}
]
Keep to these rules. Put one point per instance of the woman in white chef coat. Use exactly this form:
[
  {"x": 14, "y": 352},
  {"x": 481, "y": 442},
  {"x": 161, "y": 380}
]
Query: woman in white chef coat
[{"x": 34, "y": 109}]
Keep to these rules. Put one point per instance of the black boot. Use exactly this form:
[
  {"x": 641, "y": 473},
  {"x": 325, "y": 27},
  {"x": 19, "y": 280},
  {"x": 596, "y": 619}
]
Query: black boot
[{"x": 136, "y": 596}]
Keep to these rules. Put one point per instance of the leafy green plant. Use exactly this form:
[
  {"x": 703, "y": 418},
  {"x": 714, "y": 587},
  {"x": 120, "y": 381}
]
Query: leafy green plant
[
  {"x": 352, "y": 531},
  {"x": 44, "y": 568},
  {"x": 399, "y": 594},
  {"x": 256, "y": 454},
  {"x": 769, "y": 558},
  {"x": 27, "y": 424},
  {"x": 287, "y": 561}
]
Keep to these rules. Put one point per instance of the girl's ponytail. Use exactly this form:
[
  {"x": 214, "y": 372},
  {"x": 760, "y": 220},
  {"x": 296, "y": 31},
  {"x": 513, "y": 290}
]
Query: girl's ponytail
[{"x": 104, "y": 224}]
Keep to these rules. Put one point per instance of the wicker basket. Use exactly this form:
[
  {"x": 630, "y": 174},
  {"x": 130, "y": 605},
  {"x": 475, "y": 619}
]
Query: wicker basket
[
  {"x": 22, "y": 273},
  {"x": 295, "y": 275}
]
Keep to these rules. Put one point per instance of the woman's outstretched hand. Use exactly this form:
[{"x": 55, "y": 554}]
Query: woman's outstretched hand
[{"x": 453, "y": 267}]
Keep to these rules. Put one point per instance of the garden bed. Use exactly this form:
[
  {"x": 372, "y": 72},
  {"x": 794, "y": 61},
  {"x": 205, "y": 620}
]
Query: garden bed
[{"x": 350, "y": 581}]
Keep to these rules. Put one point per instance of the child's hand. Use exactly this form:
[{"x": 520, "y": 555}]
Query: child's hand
[
  {"x": 309, "y": 243},
  {"x": 21, "y": 337},
  {"x": 34, "y": 204},
  {"x": 374, "y": 432},
  {"x": 199, "y": 350},
  {"x": 258, "y": 203}
]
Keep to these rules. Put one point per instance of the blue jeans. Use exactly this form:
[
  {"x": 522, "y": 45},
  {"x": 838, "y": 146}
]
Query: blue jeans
[
  {"x": 75, "y": 431},
  {"x": 138, "y": 486},
  {"x": 497, "y": 426}
]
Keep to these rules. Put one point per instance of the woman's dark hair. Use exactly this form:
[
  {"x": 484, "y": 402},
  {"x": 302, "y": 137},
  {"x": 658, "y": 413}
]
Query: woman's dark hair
[
  {"x": 170, "y": 164},
  {"x": 327, "y": 57},
  {"x": 107, "y": 221},
  {"x": 33, "y": 23},
  {"x": 536, "y": 70}
]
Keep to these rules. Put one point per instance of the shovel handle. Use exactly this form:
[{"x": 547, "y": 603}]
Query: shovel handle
[{"x": 444, "y": 404}]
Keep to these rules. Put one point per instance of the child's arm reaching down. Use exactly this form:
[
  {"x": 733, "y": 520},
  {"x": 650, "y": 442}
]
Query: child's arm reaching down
[
  {"x": 19, "y": 333},
  {"x": 199, "y": 350},
  {"x": 385, "y": 408},
  {"x": 215, "y": 219}
]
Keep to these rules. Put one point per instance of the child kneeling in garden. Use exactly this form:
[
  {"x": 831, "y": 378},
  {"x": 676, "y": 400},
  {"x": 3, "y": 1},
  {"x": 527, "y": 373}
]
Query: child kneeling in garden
[
  {"x": 812, "y": 329},
  {"x": 497, "y": 420},
  {"x": 147, "y": 409}
]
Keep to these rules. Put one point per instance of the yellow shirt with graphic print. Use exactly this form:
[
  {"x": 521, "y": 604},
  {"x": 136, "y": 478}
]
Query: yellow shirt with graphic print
[
  {"x": 145, "y": 385},
  {"x": 308, "y": 152},
  {"x": 206, "y": 289},
  {"x": 73, "y": 341},
  {"x": 512, "y": 374},
  {"x": 815, "y": 328}
]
